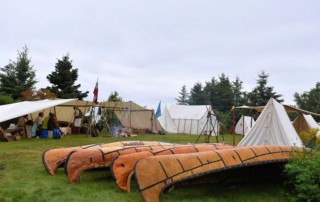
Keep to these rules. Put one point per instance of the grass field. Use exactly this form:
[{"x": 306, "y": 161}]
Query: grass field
[{"x": 23, "y": 177}]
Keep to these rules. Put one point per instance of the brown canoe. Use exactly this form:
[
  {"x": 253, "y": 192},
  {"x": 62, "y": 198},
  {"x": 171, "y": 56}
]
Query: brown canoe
[
  {"x": 158, "y": 173},
  {"x": 54, "y": 158},
  {"x": 79, "y": 161},
  {"x": 122, "y": 166}
]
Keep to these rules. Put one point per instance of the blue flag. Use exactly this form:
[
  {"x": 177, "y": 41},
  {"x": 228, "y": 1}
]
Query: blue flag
[{"x": 158, "y": 112}]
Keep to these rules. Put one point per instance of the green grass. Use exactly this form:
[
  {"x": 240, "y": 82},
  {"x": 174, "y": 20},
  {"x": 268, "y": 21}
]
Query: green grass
[{"x": 23, "y": 177}]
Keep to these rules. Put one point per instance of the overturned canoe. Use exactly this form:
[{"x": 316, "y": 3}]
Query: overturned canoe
[
  {"x": 79, "y": 161},
  {"x": 54, "y": 158},
  {"x": 122, "y": 166},
  {"x": 155, "y": 174}
]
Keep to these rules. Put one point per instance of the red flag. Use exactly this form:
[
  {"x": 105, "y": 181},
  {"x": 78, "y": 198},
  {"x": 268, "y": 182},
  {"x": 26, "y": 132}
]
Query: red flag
[{"x": 95, "y": 94}]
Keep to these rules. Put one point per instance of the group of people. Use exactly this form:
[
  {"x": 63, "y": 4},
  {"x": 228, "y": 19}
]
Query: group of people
[
  {"x": 48, "y": 123},
  {"x": 40, "y": 124}
]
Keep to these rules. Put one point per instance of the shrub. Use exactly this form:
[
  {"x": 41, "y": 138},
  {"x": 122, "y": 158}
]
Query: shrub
[
  {"x": 5, "y": 99},
  {"x": 309, "y": 138},
  {"x": 303, "y": 177}
]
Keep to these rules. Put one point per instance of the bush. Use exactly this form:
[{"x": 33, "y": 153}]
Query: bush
[
  {"x": 303, "y": 177},
  {"x": 6, "y": 99},
  {"x": 310, "y": 139}
]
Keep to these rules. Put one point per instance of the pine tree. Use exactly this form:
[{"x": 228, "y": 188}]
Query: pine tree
[
  {"x": 184, "y": 96},
  {"x": 238, "y": 94},
  {"x": 197, "y": 95},
  {"x": 63, "y": 80},
  {"x": 18, "y": 76},
  {"x": 219, "y": 93},
  {"x": 260, "y": 95}
]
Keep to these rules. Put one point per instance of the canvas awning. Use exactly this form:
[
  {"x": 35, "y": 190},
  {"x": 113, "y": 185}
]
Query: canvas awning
[
  {"x": 288, "y": 108},
  {"x": 11, "y": 111}
]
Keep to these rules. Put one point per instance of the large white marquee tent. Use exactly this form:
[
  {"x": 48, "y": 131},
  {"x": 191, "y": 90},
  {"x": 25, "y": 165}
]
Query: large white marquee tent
[{"x": 188, "y": 119}]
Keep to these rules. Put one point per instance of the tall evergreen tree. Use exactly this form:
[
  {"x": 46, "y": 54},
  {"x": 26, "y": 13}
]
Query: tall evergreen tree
[
  {"x": 260, "y": 95},
  {"x": 224, "y": 90},
  {"x": 183, "y": 97},
  {"x": 18, "y": 76},
  {"x": 197, "y": 95},
  {"x": 219, "y": 93},
  {"x": 63, "y": 80},
  {"x": 210, "y": 91},
  {"x": 238, "y": 94}
]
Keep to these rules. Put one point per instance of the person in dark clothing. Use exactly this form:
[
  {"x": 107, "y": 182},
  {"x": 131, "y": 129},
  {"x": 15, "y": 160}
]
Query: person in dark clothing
[{"x": 54, "y": 126}]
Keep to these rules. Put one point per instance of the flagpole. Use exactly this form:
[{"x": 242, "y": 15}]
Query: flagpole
[{"x": 94, "y": 102}]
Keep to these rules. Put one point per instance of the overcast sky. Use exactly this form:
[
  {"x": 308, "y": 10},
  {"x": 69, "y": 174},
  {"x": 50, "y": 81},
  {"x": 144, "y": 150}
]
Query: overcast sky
[{"x": 146, "y": 50}]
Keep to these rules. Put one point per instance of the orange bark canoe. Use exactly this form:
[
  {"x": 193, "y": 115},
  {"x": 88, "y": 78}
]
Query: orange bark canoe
[
  {"x": 155, "y": 174},
  {"x": 54, "y": 158},
  {"x": 122, "y": 166},
  {"x": 79, "y": 161}
]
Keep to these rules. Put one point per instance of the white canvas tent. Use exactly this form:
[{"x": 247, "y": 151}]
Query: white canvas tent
[
  {"x": 244, "y": 125},
  {"x": 273, "y": 127},
  {"x": 188, "y": 119}
]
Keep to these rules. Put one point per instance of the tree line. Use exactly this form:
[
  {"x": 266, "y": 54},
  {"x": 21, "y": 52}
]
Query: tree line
[{"x": 222, "y": 94}]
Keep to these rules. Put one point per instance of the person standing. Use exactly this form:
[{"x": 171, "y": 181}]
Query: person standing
[
  {"x": 54, "y": 126},
  {"x": 37, "y": 126},
  {"x": 77, "y": 119},
  {"x": 21, "y": 125}
]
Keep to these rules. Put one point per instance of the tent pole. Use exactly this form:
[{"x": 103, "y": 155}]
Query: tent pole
[
  {"x": 233, "y": 125},
  {"x": 242, "y": 124}
]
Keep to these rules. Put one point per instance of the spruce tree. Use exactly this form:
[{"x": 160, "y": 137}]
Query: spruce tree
[
  {"x": 63, "y": 80},
  {"x": 238, "y": 94},
  {"x": 260, "y": 95},
  {"x": 197, "y": 95},
  {"x": 184, "y": 96},
  {"x": 18, "y": 76}
]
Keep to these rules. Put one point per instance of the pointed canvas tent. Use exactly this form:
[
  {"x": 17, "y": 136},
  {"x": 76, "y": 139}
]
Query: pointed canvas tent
[
  {"x": 304, "y": 122},
  {"x": 188, "y": 119},
  {"x": 244, "y": 125},
  {"x": 273, "y": 127}
]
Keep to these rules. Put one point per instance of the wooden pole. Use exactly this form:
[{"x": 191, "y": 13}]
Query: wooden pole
[{"x": 233, "y": 125}]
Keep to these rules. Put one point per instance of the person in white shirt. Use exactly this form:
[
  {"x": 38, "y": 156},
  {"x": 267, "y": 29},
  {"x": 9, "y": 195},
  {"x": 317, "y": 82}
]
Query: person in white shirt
[
  {"x": 37, "y": 126},
  {"x": 77, "y": 119}
]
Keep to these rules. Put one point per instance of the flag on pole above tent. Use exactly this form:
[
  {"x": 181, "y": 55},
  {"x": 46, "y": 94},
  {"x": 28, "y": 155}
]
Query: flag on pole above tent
[
  {"x": 158, "y": 112},
  {"x": 95, "y": 94}
]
